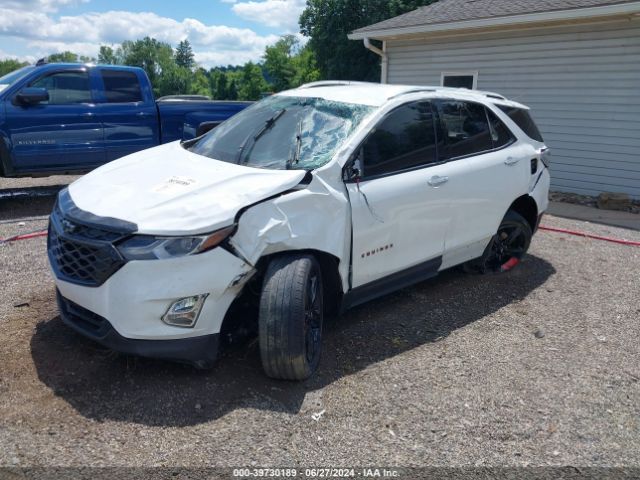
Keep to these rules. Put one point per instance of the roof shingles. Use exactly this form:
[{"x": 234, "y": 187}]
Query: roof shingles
[{"x": 447, "y": 11}]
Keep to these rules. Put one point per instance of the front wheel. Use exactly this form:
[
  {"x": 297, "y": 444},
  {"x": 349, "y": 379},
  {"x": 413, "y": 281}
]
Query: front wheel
[
  {"x": 506, "y": 248},
  {"x": 290, "y": 318}
]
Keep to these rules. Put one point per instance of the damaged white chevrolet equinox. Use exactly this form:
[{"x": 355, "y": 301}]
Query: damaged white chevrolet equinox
[{"x": 307, "y": 203}]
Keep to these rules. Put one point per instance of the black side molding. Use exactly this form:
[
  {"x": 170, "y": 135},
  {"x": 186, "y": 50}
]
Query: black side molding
[{"x": 396, "y": 281}]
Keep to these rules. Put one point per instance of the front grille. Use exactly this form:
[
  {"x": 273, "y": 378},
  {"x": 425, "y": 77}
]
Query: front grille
[
  {"x": 85, "y": 320},
  {"x": 82, "y": 254}
]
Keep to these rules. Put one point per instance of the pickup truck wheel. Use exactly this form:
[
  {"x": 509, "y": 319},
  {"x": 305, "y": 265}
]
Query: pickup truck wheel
[
  {"x": 506, "y": 248},
  {"x": 290, "y": 318}
]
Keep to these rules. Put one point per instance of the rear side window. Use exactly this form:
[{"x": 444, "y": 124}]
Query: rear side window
[
  {"x": 501, "y": 136},
  {"x": 522, "y": 118},
  {"x": 404, "y": 139},
  {"x": 121, "y": 86},
  {"x": 464, "y": 128}
]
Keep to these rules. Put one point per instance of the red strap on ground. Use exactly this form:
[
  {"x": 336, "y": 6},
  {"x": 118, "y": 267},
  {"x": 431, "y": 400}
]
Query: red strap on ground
[
  {"x": 26, "y": 236},
  {"x": 589, "y": 235}
]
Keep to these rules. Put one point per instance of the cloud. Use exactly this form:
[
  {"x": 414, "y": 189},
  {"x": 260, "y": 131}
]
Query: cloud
[
  {"x": 282, "y": 14},
  {"x": 83, "y": 34}
]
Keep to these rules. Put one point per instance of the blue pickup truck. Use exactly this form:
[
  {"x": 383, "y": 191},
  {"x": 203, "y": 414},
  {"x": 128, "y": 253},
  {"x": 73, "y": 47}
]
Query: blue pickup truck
[{"x": 67, "y": 118}]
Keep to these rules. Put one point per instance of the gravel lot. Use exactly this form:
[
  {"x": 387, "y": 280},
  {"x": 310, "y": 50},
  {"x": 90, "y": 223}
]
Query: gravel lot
[{"x": 538, "y": 366}]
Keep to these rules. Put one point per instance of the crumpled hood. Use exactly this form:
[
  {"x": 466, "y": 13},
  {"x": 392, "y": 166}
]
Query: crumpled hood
[{"x": 168, "y": 190}]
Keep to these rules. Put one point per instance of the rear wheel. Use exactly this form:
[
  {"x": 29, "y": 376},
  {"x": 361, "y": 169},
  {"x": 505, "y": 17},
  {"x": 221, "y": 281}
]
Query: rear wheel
[
  {"x": 506, "y": 248},
  {"x": 290, "y": 319}
]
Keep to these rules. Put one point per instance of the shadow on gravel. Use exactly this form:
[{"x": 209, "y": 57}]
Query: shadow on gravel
[
  {"x": 23, "y": 207},
  {"x": 103, "y": 385}
]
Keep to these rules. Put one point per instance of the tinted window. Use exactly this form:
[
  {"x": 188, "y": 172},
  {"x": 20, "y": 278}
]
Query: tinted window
[
  {"x": 464, "y": 128},
  {"x": 66, "y": 87},
  {"x": 522, "y": 118},
  {"x": 121, "y": 86},
  {"x": 404, "y": 139},
  {"x": 500, "y": 134},
  {"x": 9, "y": 78}
]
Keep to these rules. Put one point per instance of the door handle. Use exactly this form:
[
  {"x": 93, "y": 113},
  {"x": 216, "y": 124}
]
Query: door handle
[
  {"x": 436, "y": 181},
  {"x": 143, "y": 114},
  {"x": 511, "y": 161}
]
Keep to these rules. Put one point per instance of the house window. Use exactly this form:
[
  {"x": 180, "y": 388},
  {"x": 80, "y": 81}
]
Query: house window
[{"x": 460, "y": 80}]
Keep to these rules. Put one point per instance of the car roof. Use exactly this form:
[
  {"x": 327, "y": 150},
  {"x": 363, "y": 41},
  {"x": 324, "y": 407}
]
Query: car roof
[
  {"x": 378, "y": 94},
  {"x": 45, "y": 67}
]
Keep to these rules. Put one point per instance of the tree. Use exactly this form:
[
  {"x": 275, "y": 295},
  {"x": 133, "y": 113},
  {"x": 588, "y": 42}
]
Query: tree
[
  {"x": 68, "y": 57},
  {"x": 9, "y": 65},
  {"x": 184, "y": 55},
  {"x": 173, "y": 80},
  {"x": 107, "y": 56},
  {"x": 220, "y": 91},
  {"x": 199, "y": 84},
  {"x": 151, "y": 55},
  {"x": 304, "y": 64},
  {"x": 278, "y": 62},
  {"x": 252, "y": 83},
  {"x": 327, "y": 24},
  {"x": 232, "y": 92}
]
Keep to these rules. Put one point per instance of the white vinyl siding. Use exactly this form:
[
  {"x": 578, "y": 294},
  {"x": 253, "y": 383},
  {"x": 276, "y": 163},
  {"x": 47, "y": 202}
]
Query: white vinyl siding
[{"x": 582, "y": 83}]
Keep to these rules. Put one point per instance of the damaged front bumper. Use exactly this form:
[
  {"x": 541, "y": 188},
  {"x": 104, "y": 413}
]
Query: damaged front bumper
[
  {"x": 199, "y": 351},
  {"x": 125, "y": 312}
]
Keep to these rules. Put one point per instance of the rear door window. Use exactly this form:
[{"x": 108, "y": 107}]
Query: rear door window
[
  {"x": 403, "y": 140},
  {"x": 464, "y": 128},
  {"x": 121, "y": 86},
  {"x": 501, "y": 136},
  {"x": 523, "y": 119}
]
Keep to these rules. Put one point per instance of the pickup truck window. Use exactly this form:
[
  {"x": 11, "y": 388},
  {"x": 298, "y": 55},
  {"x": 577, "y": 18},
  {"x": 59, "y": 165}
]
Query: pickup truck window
[
  {"x": 66, "y": 87},
  {"x": 8, "y": 79},
  {"x": 121, "y": 86},
  {"x": 283, "y": 132},
  {"x": 405, "y": 139}
]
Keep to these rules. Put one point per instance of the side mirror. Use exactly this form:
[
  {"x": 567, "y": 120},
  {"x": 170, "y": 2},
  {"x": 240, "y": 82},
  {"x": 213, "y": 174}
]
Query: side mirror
[
  {"x": 32, "y": 96},
  {"x": 206, "y": 127}
]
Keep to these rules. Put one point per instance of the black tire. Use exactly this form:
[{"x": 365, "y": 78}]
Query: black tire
[
  {"x": 290, "y": 318},
  {"x": 509, "y": 244}
]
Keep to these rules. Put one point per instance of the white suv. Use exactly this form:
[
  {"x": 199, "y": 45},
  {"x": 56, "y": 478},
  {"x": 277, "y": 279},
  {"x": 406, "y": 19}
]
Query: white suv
[{"x": 307, "y": 203}]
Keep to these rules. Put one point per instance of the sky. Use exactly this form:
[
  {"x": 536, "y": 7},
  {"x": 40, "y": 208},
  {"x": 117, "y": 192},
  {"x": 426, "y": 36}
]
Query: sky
[{"x": 221, "y": 32}]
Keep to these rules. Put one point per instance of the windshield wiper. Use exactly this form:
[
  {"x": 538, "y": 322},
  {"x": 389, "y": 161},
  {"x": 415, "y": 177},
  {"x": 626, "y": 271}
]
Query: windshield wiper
[
  {"x": 295, "y": 158},
  {"x": 267, "y": 125}
]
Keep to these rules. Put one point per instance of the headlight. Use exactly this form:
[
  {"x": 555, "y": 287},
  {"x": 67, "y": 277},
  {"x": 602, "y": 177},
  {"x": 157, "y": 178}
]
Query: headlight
[{"x": 148, "y": 247}]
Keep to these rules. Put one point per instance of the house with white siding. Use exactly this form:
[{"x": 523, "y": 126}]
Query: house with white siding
[{"x": 576, "y": 63}]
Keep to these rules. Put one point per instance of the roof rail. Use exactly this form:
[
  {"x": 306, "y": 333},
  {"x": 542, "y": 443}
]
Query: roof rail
[
  {"x": 463, "y": 90},
  {"x": 493, "y": 95},
  {"x": 332, "y": 83},
  {"x": 414, "y": 90}
]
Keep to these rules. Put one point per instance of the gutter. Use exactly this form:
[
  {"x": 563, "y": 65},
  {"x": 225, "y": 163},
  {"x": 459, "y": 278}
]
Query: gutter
[
  {"x": 384, "y": 71},
  {"x": 631, "y": 9}
]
